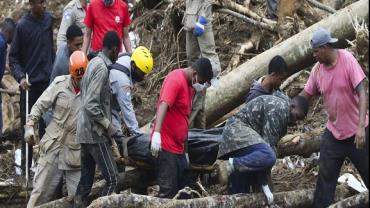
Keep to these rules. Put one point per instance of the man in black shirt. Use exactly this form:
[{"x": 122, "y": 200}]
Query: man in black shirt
[{"x": 32, "y": 52}]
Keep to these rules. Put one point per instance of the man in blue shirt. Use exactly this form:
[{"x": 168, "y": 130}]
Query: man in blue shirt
[
  {"x": 74, "y": 42},
  {"x": 6, "y": 34},
  {"x": 32, "y": 52},
  {"x": 270, "y": 83}
]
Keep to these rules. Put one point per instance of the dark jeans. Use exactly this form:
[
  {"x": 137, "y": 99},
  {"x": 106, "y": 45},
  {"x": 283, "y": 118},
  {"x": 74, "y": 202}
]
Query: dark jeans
[
  {"x": 1, "y": 117},
  {"x": 97, "y": 154},
  {"x": 252, "y": 166},
  {"x": 35, "y": 91},
  {"x": 333, "y": 152},
  {"x": 173, "y": 173}
]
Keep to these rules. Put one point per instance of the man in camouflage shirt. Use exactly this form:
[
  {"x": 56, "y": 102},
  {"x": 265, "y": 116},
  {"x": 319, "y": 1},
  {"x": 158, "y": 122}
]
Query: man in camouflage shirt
[{"x": 250, "y": 138}]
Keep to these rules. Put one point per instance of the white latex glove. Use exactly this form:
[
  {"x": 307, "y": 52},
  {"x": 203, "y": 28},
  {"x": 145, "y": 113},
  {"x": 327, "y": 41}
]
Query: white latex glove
[
  {"x": 270, "y": 197},
  {"x": 156, "y": 144},
  {"x": 29, "y": 134}
]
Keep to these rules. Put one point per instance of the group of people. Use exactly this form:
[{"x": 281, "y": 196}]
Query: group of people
[
  {"x": 251, "y": 135},
  {"x": 80, "y": 98}
]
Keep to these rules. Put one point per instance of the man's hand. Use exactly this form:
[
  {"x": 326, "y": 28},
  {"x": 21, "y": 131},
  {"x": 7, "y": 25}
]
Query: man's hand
[
  {"x": 112, "y": 130},
  {"x": 155, "y": 146},
  {"x": 115, "y": 151},
  {"x": 360, "y": 138},
  {"x": 29, "y": 133},
  {"x": 24, "y": 85}
]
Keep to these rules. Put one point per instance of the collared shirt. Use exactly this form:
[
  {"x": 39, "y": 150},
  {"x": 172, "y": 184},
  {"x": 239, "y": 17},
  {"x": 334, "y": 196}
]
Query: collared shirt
[
  {"x": 3, "y": 47},
  {"x": 32, "y": 49},
  {"x": 65, "y": 104},
  {"x": 95, "y": 115},
  {"x": 73, "y": 14},
  {"x": 61, "y": 64},
  {"x": 263, "y": 120}
]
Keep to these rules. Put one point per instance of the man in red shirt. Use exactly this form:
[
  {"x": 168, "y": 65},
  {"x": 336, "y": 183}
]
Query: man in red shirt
[
  {"x": 339, "y": 79},
  {"x": 172, "y": 124},
  {"x": 103, "y": 16}
]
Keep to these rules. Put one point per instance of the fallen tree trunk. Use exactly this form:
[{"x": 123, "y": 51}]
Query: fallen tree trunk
[
  {"x": 358, "y": 200},
  {"x": 303, "y": 144},
  {"x": 300, "y": 198},
  {"x": 296, "y": 52},
  {"x": 297, "y": 198}
]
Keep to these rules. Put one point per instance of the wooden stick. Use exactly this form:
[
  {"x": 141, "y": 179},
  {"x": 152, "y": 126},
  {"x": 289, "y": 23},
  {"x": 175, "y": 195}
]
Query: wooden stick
[
  {"x": 229, "y": 4},
  {"x": 291, "y": 79},
  {"x": 270, "y": 27},
  {"x": 321, "y": 6},
  {"x": 235, "y": 60}
]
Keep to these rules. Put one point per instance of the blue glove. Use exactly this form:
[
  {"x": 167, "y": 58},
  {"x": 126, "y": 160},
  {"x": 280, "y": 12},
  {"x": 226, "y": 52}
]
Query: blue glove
[{"x": 199, "y": 26}]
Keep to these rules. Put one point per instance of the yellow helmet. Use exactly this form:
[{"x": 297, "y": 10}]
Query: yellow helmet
[{"x": 143, "y": 59}]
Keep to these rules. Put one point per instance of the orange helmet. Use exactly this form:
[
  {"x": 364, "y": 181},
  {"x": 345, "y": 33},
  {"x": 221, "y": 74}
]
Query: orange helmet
[{"x": 77, "y": 64}]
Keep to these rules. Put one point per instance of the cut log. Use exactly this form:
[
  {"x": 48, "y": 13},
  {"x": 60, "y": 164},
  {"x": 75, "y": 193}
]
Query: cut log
[
  {"x": 303, "y": 144},
  {"x": 296, "y": 51},
  {"x": 297, "y": 198},
  {"x": 358, "y": 200}
]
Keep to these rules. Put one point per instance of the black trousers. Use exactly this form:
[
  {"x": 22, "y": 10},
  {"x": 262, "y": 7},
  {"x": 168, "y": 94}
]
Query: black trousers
[
  {"x": 173, "y": 173},
  {"x": 97, "y": 154},
  {"x": 35, "y": 91},
  {"x": 333, "y": 152}
]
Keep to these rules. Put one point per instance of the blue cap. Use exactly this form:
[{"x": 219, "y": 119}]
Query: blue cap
[{"x": 321, "y": 37}]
